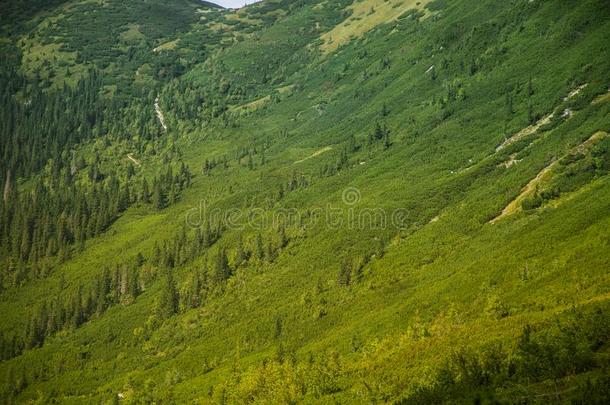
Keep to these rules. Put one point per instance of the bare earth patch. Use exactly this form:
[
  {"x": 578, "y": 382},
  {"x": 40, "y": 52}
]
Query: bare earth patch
[
  {"x": 525, "y": 132},
  {"x": 134, "y": 160},
  {"x": 160, "y": 114},
  {"x": 253, "y": 105},
  {"x": 603, "y": 98},
  {"x": 167, "y": 46},
  {"x": 545, "y": 175},
  {"x": 316, "y": 153}
]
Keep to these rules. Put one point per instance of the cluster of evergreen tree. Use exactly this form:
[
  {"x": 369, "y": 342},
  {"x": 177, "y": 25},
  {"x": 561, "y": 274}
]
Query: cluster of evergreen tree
[
  {"x": 46, "y": 221},
  {"x": 122, "y": 284},
  {"x": 297, "y": 181},
  {"x": 213, "y": 275},
  {"x": 210, "y": 165},
  {"x": 166, "y": 189},
  {"x": 37, "y": 126},
  {"x": 50, "y": 219},
  {"x": 380, "y": 133},
  {"x": 254, "y": 157},
  {"x": 47, "y": 203}
]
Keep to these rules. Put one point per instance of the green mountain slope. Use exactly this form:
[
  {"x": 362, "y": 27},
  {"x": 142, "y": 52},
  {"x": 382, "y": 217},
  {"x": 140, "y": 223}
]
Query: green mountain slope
[{"x": 348, "y": 202}]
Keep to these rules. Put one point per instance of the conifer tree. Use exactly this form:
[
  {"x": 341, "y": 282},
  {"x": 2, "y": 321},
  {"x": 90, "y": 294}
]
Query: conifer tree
[
  {"x": 386, "y": 139},
  {"x": 159, "y": 199},
  {"x": 282, "y": 236},
  {"x": 240, "y": 254},
  {"x": 78, "y": 316},
  {"x": 145, "y": 195},
  {"x": 168, "y": 300},
  {"x": 222, "y": 272}
]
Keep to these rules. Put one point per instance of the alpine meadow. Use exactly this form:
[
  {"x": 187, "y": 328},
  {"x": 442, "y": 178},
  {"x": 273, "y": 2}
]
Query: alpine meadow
[{"x": 305, "y": 202}]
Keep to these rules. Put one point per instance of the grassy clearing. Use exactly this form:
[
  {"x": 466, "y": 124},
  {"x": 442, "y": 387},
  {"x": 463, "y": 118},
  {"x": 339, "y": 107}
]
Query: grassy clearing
[{"x": 366, "y": 15}]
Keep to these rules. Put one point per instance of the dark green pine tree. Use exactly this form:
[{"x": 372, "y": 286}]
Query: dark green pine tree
[
  {"x": 124, "y": 198},
  {"x": 78, "y": 314},
  {"x": 167, "y": 305},
  {"x": 282, "y": 236},
  {"x": 240, "y": 253},
  {"x": 145, "y": 195},
  {"x": 270, "y": 253},
  {"x": 134, "y": 283},
  {"x": 158, "y": 199},
  {"x": 386, "y": 139},
  {"x": 173, "y": 194},
  {"x": 103, "y": 292},
  {"x": 222, "y": 271},
  {"x": 293, "y": 181},
  {"x": 278, "y": 327},
  {"x": 351, "y": 145},
  {"x": 384, "y": 110}
]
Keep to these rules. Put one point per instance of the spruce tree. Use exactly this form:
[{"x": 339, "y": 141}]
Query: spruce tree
[
  {"x": 78, "y": 316},
  {"x": 379, "y": 132},
  {"x": 145, "y": 195},
  {"x": 386, "y": 139},
  {"x": 240, "y": 254},
  {"x": 168, "y": 300},
  {"x": 222, "y": 271},
  {"x": 159, "y": 199}
]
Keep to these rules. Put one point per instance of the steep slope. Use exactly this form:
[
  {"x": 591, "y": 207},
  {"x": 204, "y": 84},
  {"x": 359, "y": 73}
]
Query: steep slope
[{"x": 351, "y": 256}]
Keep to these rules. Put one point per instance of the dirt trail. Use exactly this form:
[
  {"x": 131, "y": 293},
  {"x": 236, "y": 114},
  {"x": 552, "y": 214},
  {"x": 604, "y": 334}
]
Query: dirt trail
[
  {"x": 134, "y": 160},
  {"x": 313, "y": 155},
  {"x": 567, "y": 113},
  {"x": 160, "y": 114},
  {"x": 525, "y": 132},
  {"x": 512, "y": 160},
  {"x": 515, "y": 205},
  {"x": 575, "y": 92}
]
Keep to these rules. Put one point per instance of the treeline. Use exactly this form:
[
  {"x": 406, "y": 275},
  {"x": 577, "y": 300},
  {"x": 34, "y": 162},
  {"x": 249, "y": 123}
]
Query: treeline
[
  {"x": 216, "y": 269},
  {"x": 50, "y": 219},
  {"x": 124, "y": 283},
  {"x": 297, "y": 181},
  {"x": 37, "y": 126},
  {"x": 252, "y": 157}
]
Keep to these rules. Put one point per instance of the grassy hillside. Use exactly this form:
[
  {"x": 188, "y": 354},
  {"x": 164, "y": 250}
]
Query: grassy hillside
[{"x": 351, "y": 202}]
